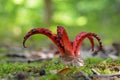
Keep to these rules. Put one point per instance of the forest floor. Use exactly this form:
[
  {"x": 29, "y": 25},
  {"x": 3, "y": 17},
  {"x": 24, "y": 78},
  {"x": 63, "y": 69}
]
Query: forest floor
[{"x": 45, "y": 64}]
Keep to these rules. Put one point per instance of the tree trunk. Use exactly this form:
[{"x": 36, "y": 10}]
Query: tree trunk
[{"x": 48, "y": 11}]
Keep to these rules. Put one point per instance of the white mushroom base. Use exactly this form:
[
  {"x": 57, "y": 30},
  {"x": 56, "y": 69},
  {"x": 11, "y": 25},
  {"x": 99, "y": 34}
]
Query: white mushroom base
[{"x": 74, "y": 61}]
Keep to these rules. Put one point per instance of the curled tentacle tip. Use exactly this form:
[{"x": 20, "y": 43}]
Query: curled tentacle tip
[
  {"x": 92, "y": 49},
  {"x": 24, "y": 44},
  {"x": 25, "y": 47}
]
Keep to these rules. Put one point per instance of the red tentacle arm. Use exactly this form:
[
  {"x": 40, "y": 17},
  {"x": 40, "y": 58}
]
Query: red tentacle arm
[
  {"x": 91, "y": 41},
  {"x": 65, "y": 41},
  {"x": 46, "y": 32},
  {"x": 99, "y": 41},
  {"x": 79, "y": 39}
]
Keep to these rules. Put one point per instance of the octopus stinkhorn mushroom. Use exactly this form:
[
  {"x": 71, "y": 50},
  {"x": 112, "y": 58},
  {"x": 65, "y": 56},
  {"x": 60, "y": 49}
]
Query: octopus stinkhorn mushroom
[{"x": 70, "y": 51}]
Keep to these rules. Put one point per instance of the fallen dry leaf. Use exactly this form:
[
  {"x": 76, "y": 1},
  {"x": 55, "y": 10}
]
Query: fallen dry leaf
[{"x": 64, "y": 71}]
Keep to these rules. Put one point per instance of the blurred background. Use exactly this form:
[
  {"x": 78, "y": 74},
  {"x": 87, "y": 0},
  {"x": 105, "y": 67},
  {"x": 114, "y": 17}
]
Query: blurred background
[{"x": 17, "y": 17}]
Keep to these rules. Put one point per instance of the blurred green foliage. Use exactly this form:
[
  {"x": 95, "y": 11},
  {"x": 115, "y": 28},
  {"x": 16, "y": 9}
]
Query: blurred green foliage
[{"x": 17, "y": 17}]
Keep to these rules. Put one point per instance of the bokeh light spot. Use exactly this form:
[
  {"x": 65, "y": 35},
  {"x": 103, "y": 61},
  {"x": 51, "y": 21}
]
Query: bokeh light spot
[
  {"x": 17, "y": 31},
  {"x": 81, "y": 21},
  {"x": 63, "y": 18},
  {"x": 18, "y": 1}
]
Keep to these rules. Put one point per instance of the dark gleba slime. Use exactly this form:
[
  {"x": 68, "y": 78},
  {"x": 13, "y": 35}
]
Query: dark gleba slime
[{"x": 69, "y": 50}]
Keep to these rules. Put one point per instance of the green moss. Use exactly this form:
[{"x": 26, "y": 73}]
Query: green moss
[
  {"x": 105, "y": 66},
  {"x": 93, "y": 60},
  {"x": 3, "y": 49}
]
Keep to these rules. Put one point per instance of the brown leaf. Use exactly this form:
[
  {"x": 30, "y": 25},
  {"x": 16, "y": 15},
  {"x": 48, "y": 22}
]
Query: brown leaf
[{"x": 64, "y": 71}]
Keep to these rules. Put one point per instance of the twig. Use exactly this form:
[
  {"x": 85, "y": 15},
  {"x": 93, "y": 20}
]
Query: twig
[
  {"x": 85, "y": 75},
  {"x": 28, "y": 60},
  {"x": 95, "y": 72},
  {"x": 81, "y": 74},
  {"x": 16, "y": 55},
  {"x": 109, "y": 75}
]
